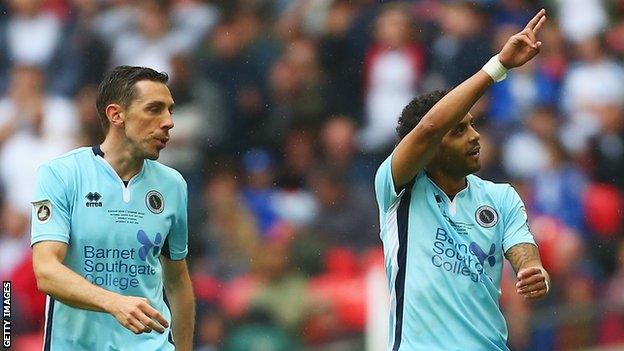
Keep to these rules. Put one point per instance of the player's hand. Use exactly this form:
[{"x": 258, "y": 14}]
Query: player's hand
[
  {"x": 533, "y": 283},
  {"x": 522, "y": 47},
  {"x": 136, "y": 314}
]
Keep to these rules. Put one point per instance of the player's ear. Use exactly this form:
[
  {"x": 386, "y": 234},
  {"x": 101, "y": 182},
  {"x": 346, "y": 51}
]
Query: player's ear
[{"x": 115, "y": 115}]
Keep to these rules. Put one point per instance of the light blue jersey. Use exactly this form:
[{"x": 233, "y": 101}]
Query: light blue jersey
[
  {"x": 444, "y": 261},
  {"x": 115, "y": 234}
]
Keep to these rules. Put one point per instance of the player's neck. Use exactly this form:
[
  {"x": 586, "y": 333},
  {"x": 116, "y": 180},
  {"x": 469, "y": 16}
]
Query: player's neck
[
  {"x": 451, "y": 185},
  {"x": 118, "y": 154}
]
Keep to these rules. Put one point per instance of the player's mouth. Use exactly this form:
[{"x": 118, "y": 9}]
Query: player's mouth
[
  {"x": 474, "y": 152},
  {"x": 161, "y": 142}
]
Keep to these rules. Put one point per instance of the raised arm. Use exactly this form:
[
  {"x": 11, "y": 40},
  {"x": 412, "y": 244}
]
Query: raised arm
[
  {"x": 68, "y": 287},
  {"x": 418, "y": 147},
  {"x": 533, "y": 280}
]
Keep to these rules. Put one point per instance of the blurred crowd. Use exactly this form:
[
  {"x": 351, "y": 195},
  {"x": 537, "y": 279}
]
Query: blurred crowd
[{"x": 285, "y": 108}]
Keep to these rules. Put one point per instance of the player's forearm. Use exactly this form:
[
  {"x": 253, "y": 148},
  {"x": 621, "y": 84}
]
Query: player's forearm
[
  {"x": 533, "y": 280},
  {"x": 454, "y": 106},
  {"x": 182, "y": 302},
  {"x": 417, "y": 148},
  {"x": 65, "y": 285},
  {"x": 522, "y": 256}
]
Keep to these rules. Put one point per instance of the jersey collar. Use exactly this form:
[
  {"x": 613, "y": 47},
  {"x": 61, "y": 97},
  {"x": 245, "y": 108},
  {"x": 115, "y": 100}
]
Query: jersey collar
[{"x": 97, "y": 150}]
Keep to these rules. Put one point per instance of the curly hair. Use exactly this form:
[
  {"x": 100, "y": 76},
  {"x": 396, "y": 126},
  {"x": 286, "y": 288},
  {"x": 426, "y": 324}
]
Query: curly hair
[{"x": 416, "y": 109}]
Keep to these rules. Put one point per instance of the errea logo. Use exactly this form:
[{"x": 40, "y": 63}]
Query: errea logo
[{"x": 93, "y": 199}]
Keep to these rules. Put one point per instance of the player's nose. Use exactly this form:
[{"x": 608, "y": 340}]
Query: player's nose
[
  {"x": 474, "y": 135},
  {"x": 168, "y": 122}
]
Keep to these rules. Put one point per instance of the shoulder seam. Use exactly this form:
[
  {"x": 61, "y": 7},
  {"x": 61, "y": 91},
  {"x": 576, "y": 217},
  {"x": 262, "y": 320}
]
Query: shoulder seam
[
  {"x": 171, "y": 170},
  {"x": 65, "y": 155}
]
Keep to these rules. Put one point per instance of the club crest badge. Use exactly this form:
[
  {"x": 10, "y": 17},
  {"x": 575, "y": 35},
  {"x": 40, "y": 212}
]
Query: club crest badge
[
  {"x": 154, "y": 201},
  {"x": 486, "y": 216}
]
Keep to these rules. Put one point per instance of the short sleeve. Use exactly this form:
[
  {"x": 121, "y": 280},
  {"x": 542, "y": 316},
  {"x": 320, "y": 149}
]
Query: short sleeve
[
  {"x": 515, "y": 220},
  {"x": 50, "y": 207},
  {"x": 384, "y": 186},
  {"x": 175, "y": 246}
]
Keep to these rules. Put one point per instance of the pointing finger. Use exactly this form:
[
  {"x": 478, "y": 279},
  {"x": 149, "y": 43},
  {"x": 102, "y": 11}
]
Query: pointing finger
[
  {"x": 539, "y": 24},
  {"x": 535, "y": 20}
]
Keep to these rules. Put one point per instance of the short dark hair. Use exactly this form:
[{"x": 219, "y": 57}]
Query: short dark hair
[
  {"x": 119, "y": 87},
  {"x": 416, "y": 110}
]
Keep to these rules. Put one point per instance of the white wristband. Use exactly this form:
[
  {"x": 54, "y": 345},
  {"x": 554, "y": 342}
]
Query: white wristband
[{"x": 495, "y": 69}]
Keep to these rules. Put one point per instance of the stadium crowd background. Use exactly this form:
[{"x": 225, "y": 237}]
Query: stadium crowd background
[{"x": 284, "y": 110}]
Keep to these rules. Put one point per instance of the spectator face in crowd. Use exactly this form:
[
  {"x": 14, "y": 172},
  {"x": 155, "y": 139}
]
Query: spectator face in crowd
[
  {"x": 557, "y": 155},
  {"x": 27, "y": 83},
  {"x": 153, "y": 18},
  {"x": 225, "y": 40},
  {"x": 338, "y": 138},
  {"x": 294, "y": 71},
  {"x": 543, "y": 123},
  {"x": 502, "y": 33},
  {"x": 590, "y": 50},
  {"x": 394, "y": 27},
  {"x": 303, "y": 56},
  {"x": 248, "y": 25},
  {"x": 235, "y": 229},
  {"x": 14, "y": 222},
  {"x": 221, "y": 190},
  {"x": 460, "y": 19},
  {"x": 26, "y": 91},
  {"x": 556, "y": 44},
  {"x": 610, "y": 116},
  {"x": 340, "y": 18},
  {"x": 284, "y": 82},
  {"x": 211, "y": 329},
  {"x": 329, "y": 188},
  {"x": 299, "y": 152},
  {"x": 272, "y": 261}
]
